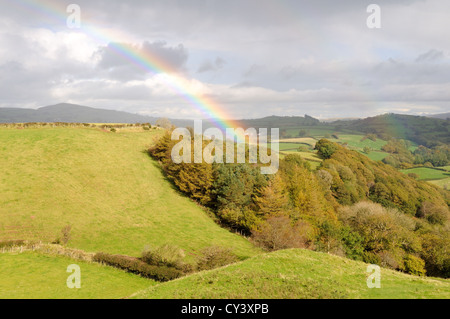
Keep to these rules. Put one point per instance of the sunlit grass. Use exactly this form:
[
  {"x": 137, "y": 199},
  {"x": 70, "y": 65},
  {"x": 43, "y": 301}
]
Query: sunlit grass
[{"x": 103, "y": 184}]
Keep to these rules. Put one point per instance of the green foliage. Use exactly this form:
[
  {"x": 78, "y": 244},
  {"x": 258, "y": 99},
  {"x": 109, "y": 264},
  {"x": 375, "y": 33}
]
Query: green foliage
[
  {"x": 8, "y": 244},
  {"x": 165, "y": 255},
  {"x": 214, "y": 257},
  {"x": 436, "y": 253},
  {"x": 279, "y": 233},
  {"x": 414, "y": 265},
  {"x": 136, "y": 266},
  {"x": 234, "y": 189},
  {"x": 425, "y": 131},
  {"x": 380, "y": 236},
  {"x": 325, "y": 148},
  {"x": 376, "y": 181},
  {"x": 433, "y": 213},
  {"x": 437, "y": 156}
]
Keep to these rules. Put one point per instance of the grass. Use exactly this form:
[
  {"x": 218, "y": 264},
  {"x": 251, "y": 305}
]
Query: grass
[
  {"x": 354, "y": 142},
  {"x": 376, "y": 155},
  {"x": 32, "y": 275},
  {"x": 309, "y": 141},
  {"x": 442, "y": 183},
  {"x": 311, "y": 157},
  {"x": 289, "y": 146},
  {"x": 296, "y": 274},
  {"x": 426, "y": 173},
  {"x": 104, "y": 185}
]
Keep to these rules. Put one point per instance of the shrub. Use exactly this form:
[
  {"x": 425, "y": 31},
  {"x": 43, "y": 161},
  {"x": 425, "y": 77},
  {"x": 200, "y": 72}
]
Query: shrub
[
  {"x": 214, "y": 257},
  {"x": 413, "y": 175},
  {"x": 7, "y": 244},
  {"x": 325, "y": 148},
  {"x": 278, "y": 233},
  {"x": 136, "y": 266},
  {"x": 435, "y": 214},
  {"x": 414, "y": 265},
  {"x": 165, "y": 255},
  {"x": 65, "y": 236},
  {"x": 113, "y": 130}
]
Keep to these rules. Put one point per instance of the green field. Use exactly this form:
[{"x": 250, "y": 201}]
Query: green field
[
  {"x": 354, "y": 142},
  {"x": 105, "y": 186},
  {"x": 426, "y": 173},
  {"x": 294, "y": 274},
  {"x": 376, "y": 155},
  {"x": 35, "y": 276},
  {"x": 289, "y": 146}
]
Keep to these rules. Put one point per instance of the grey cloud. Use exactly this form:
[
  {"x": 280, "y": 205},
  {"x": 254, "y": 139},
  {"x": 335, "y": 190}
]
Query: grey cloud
[
  {"x": 431, "y": 56},
  {"x": 209, "y": 65},
  {"x": 113, "y": 57}
]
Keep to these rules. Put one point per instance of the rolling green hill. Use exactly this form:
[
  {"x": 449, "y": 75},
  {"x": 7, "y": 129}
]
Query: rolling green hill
[
  {"x": 419, "y": 129},
  {"x": 33, "y": 275},
  {"x": 105, "y": 186},
  {"x": 293, "y": 274}
]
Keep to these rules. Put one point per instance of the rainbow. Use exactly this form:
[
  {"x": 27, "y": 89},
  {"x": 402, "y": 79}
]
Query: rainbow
[{"x": 143, "y": 59}]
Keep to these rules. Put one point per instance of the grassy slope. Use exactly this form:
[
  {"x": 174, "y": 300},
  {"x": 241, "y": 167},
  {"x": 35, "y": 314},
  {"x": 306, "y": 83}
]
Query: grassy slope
[
  {"x": 105, "y": 186},
  {"x": 292, "y": 274},
  {"x": 36, "y": 276},
  {"x": 426, "y": 173}
]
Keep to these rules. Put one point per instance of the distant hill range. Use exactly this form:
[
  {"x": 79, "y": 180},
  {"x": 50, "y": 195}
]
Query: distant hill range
[
  {"x": 422, "y": 130},
  {"x": 70, "y": 113},
  {"x": 428, "y": 131},
  {"x": 443, "y": 116}
]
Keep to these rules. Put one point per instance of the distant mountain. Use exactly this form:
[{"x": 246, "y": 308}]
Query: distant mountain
[
  {"x": 70, "y": 113},
  {"x": 280, "y": 122},
  {"x": 443, "y": 116}
]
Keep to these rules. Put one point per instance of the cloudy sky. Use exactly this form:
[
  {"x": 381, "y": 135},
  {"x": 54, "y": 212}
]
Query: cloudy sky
[{"x": 253, "y": 58}]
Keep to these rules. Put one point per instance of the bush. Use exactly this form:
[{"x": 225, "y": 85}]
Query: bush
[
  {"x": 414, "y": 265},
  {"x": 278, "y": 233},
  {"x": 413, "y": 175},
  {"x": 136, "y": 266},
  {"x": 325, "y": 148},
  {"x": 65, "y": 236},
  {"x": 165, "y": 255},
  {"x": 434, "y": 214},
  {"x": 214, "y": 257},
  {"x": 7, "y": 244}
]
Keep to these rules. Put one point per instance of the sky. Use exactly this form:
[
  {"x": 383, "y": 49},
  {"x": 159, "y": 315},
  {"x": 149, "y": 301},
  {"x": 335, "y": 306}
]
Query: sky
[{"x": 251, "y": 58}]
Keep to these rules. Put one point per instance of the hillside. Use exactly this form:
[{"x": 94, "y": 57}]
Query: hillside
[
  {"x": 36, "y": 276},
  {"x": 419, "y": 129},
  {"x": 105, "y": 186},
  {"x": 294, "y": 274},
  {"x": 443, "y": 116}
]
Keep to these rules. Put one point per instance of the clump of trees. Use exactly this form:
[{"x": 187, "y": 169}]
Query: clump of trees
[{"x": 350, "y": 206}]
